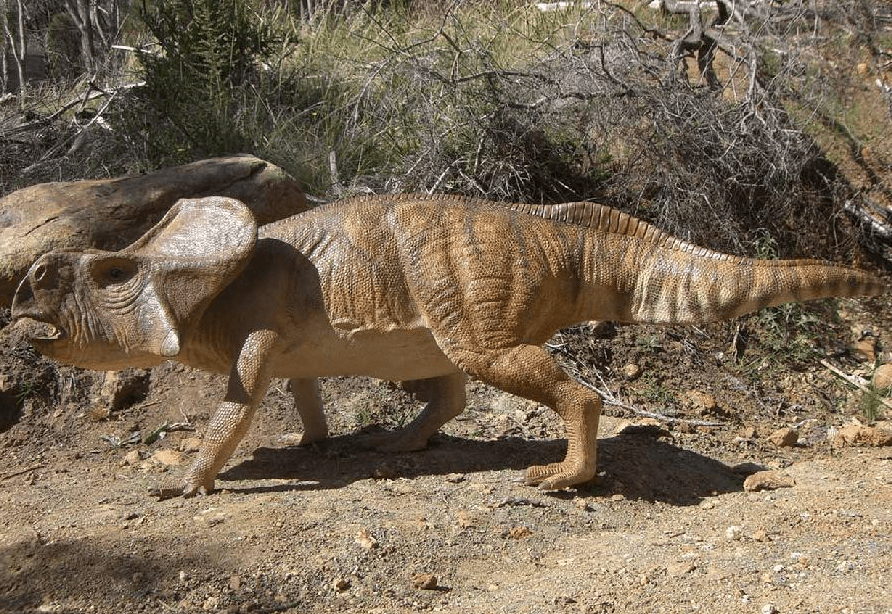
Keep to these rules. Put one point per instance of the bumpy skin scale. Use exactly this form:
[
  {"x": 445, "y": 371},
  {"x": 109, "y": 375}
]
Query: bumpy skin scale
[{"x": 397, "y": 287}]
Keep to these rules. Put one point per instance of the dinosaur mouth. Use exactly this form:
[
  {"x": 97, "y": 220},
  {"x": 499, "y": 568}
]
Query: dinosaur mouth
[
  {"x": 47, "y": 332},
  {"x": 40, "y": 330}
]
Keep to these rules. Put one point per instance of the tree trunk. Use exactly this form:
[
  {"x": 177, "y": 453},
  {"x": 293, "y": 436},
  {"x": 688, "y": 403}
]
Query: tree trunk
[
  {"x": 79, "y": 10},
  {"x": 18, "y": 44},
  {"x": 4, "y": 67},
  {"x": 96, "y": 26}
]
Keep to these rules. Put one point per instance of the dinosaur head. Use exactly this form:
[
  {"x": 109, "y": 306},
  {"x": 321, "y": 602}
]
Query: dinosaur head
[{"x": 110, "y": 310}]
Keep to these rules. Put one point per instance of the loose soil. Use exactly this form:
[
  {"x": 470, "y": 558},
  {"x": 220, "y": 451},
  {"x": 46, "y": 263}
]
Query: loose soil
[{"x": 667, "y": 527}]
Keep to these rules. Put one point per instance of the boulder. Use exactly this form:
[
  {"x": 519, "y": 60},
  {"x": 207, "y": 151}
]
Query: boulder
[{"x": 111, "y": 213}]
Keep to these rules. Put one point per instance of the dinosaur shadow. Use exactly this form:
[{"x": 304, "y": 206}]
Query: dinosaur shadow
[{"x": 636, "y": 466}]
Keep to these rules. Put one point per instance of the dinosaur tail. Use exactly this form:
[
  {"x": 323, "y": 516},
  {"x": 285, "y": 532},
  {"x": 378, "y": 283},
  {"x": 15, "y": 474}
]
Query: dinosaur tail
[
  {"x": 694, "y": 285},
  {"x": 643, "y": 274}
]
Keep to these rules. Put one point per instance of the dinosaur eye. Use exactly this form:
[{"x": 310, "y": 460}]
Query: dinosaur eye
[{"x": 113, "y": 271}]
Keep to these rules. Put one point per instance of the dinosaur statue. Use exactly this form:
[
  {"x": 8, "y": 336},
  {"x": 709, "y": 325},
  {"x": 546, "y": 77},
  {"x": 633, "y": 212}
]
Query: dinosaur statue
[{"x": 394, "y": 287}]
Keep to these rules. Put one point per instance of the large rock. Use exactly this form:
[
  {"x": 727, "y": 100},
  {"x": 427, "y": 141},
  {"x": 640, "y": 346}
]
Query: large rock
[{"x": 112, "y": 213}]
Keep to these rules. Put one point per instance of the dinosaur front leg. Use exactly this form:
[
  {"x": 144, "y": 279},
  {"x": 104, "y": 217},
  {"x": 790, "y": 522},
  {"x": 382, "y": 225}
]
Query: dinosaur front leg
[
  {"x": 530, "y": 372},
  {"x": 309, "y": 407},
  {"x": 248, "y": 382},
  {"x": 445, "y": 396}
]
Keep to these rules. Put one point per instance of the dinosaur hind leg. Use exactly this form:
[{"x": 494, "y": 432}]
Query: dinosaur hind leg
[
  {"x": 445, "y": 398},
  {"x": 309, "y": 407},
  {"x": 529, "y": 371}
]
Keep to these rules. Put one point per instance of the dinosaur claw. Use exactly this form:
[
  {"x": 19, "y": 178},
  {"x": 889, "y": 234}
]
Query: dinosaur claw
[
  {"x": 188, "y": 490},
  {"x": 165, "y": 492}
]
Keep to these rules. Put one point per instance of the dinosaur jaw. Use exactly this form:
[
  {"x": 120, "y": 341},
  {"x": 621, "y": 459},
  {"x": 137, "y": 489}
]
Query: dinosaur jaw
[
  {"x": 47, "y": 337},
  {"x": 41, "y": 331},
  {"x": 38, "y": 323}
]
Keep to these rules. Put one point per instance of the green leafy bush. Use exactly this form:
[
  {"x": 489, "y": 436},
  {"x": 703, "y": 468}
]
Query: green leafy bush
[{"x": 199, "y": 80}]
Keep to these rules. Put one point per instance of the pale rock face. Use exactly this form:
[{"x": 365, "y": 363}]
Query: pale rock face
[{"x": 110, "y": 214}]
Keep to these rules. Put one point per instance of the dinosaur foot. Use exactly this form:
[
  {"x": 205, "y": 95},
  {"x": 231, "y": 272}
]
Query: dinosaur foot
[
  {"x": 198, "y": 480},
  {"x": 189, "y": 488},
  {"x": 311, "y": 436},
  {"x": 556, "y": 476}
]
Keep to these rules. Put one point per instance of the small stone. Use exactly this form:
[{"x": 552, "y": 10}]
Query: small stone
[
  {"x": 701, "y": 402},
  {"x": 769, "y": 608},
  {"x": 210, "y": 521},
  {"x": 747, "y": 432},
  {"x": 121, "y": 389},
  {"x": 685, "y": 427},
  {"x": 845, "y": 566},
  {"x": 760, "y": 535},
  {"x": 384, "y": 472},
  {"x": 802, "y": 560},
  {"x": 168, "y": 458},
  {"x": 235, "y": 583},
  {"x": 364, "y": 538},
  {"x": 631, "y": 371},
  {"x": 676, "y": 570},
  {"x": 864, "y": 349},
  {"x": 882, "y": 377},
  {"x": 465, "y": 520},
  {"x": 519, "y": 532},
  {"x": 424, "y": 581},
  {"x": 99, "y": 412},
  {"x": 860, "y": 435},
  {"x": 341, "y": 584},
  {"x": 190, "y": 445},
  {"x": 767, "y": 480},
  {"x": 132, "y": 458},
  {"x": 289, "y": 440},
  {"x": 734, "y": 532},
  {"x": 784, "y": 437}
]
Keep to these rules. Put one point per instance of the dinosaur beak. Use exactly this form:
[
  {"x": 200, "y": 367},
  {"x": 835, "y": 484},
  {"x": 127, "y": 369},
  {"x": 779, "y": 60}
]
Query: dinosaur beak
[{"x": 43, "y": 328}]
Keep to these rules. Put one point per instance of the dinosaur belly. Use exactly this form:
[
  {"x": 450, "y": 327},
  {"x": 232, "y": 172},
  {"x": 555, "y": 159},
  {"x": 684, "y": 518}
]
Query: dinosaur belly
[{"x": 395, "y": 355}]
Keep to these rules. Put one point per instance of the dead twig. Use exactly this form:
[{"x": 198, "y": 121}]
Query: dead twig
[
  {"x": 91, "y": 94},
  {"x": 13, "y": 474},
  {"x": 610, "y": 399},
  {"x": 853, "y": 381}
]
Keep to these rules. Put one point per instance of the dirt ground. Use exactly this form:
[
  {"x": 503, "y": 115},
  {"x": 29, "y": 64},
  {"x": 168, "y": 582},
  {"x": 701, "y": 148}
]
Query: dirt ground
[{"x": 667, "y": 527}]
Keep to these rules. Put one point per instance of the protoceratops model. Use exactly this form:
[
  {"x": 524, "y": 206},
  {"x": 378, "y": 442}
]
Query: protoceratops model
[{"x": 394, "y": 287}]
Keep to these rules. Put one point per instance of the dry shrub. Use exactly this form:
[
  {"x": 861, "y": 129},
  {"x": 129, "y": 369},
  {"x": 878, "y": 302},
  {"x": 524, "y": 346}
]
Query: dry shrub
[{"x": 592, "y": 106}]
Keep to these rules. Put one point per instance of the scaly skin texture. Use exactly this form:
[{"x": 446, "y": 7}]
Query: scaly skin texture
[{"x": 425, "y": 290}]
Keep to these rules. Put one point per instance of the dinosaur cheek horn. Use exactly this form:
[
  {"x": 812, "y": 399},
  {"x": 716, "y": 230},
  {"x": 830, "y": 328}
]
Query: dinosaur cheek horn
[{"x": 194, "y": 252}]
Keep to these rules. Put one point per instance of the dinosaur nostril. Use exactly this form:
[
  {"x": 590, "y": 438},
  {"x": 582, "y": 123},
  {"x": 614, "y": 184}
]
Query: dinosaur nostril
[{"x": 39, "y": 272}]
